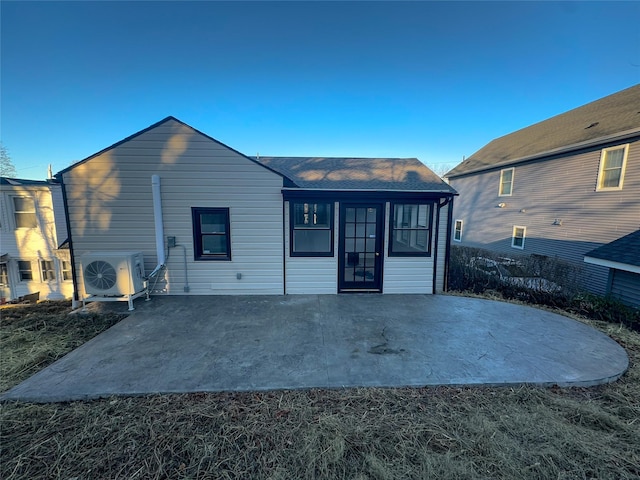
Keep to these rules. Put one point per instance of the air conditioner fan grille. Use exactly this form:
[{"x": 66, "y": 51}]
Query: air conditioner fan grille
[{"x": 100, "y": 274}]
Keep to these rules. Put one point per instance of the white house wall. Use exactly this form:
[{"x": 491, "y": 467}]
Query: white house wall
[
  {"x": 110, "y": 208},
  {"x": 543, "y": 191},
  {"x": 312, "y": 275},
  {"x": 32, "y": 244}
]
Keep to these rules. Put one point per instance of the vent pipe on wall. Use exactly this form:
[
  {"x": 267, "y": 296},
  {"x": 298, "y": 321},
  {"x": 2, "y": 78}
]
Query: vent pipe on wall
[{"x": 157, "y": 216}]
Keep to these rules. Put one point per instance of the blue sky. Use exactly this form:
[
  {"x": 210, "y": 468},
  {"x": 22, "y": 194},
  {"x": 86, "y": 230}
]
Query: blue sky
[{"x": 433, "y": 80}]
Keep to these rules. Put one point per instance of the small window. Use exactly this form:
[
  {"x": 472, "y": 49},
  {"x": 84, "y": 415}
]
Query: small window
[
  {"x": 612, "y": 165},
  {"x": 25, "y": 212},
  {"x": 211, "y": 234},
  {"x": 48, "y": 269},
  {"x": 517, "y": 238},
  {"x": 311, "y": 229},
  {"x": 24, "y": 270},
  {"x": 410, "y": 230},
  {"x": 506, "y": 182},
  {"x": 457, "y": 232},
  {"x": 66, "y": 270},
  {"x": 4, "y": 275}
]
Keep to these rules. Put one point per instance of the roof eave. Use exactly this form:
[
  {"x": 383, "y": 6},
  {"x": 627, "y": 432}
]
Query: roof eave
[
  {"x": 538, "y": 156},
  {"x": 611, "y": 264}
]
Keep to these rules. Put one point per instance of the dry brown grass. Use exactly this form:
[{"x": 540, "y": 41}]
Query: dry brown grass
[{"x": 448, "y": 433}]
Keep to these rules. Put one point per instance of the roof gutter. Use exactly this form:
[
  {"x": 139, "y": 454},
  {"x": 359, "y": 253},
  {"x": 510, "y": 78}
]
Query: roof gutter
[{"x": 556, "y": 151}]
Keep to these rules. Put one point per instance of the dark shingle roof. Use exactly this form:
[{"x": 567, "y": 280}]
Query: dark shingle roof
[
  {"x": 22, "y": 182},
  {"x": 623, "y": 250},
  {"x": 601, "y": 119},
  {"x": 331, "y": 173}
]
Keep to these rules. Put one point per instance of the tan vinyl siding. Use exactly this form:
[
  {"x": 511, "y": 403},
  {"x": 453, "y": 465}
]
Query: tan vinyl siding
[
  {"x": 312, "y": 275},
  {"x": 410, "y": 275},
  {"x": 111, "y": 208},
  {"x": 543, "y": 191}
]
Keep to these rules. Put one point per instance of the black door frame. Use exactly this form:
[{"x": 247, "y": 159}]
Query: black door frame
[{"x": 355, "y": 287}]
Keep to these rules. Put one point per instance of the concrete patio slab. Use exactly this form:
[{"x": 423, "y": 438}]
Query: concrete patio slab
[{"x": 225, "y": 343}]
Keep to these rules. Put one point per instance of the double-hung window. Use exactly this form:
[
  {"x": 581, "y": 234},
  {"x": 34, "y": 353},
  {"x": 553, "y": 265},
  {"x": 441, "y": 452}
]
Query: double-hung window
[
  {"x": 612, "y": 165},
  {"x": 517, "y": 237},
  {"x": 457, "y": 232},
  {"x": 311, "y": 229},
  {"x": 48, "y": 268},
  {"x": 506, "y": 182},
  {"x": 410, "y": 229},
  {"x": 211, "y": 233},
  {"x": 4, "y": 275},
  {"x": 66, "y": 270},
  {"x": 24, "y": 270},
  {"x": 24, "y": 209}
]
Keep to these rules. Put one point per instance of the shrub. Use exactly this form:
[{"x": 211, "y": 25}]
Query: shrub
[{"x": 534, "y": 279}]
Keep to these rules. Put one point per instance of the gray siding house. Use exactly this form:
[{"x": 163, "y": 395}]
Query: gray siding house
[
  {"x": 559, "y": 188},
  {"x": 220, "y": 222},
  {"x": 622, "y": 258}
]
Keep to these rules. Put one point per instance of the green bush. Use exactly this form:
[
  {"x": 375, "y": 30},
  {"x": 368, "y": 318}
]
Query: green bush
[{"x": 533, "y": 279}]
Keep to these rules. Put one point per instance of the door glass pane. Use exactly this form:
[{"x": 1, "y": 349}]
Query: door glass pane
[
  {"x": 371, "y": 214},
  {"x": 350, "y": 230},
  {"x": 349, "y": 245},
  {"x": 371, "y": 230},
  {"x": 350, "y": 215},
  {"x": 359, "y": 245},
  {"x": 361, "y": 214},
  {"x": 369, "y": 274},
  {"x": 371, "y": 245},
  {"x": 360, "y": 230}
]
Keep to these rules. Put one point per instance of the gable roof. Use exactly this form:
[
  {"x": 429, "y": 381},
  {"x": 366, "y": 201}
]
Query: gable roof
[
  {"x": 151, "y": 127},
  {"x": 612, "y": 117},
  {"x": 19, "y": 182},
  {"x": 335, "y": 173},
  {"x": 623, "y": 250}
]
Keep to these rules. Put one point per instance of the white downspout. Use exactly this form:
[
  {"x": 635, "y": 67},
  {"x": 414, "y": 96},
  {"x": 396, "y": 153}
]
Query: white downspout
[{"x": 157, "y": 216}]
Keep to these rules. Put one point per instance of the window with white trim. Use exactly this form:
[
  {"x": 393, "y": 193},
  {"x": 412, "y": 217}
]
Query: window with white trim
[
  {"x": 612, "y": 165},
  {"x": 48, "y": 269},
  {"x": 517, "y": 237},
  {"x": 4, "y": 275},
  {"x": 24, "y": 270},
  {"x": 457, "y": 231},
  {"x": 24, "y": 209},
  {"x": 506, "y": 182},
  {"x": 66, "y": 270}
]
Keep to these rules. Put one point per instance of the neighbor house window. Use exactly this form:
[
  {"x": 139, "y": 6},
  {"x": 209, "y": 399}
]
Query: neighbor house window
[
  {"x": 4, "y": 275},
  {"x": 517, "y": 238},
  {"x": 25, "y": 212},
  {"x": 311, "y": 233},
  {"x": 24, "y": 270},
  {"x": 211, "y": 234},
  {"x": 410, "y": 230},
  {"x": 457, "y": 232},
  {"x": 66, "y": 270},
  {"x": 612, "y": 165},
  {"x": 506, "y": 182},
  {"x": 48, "y": 269}
]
